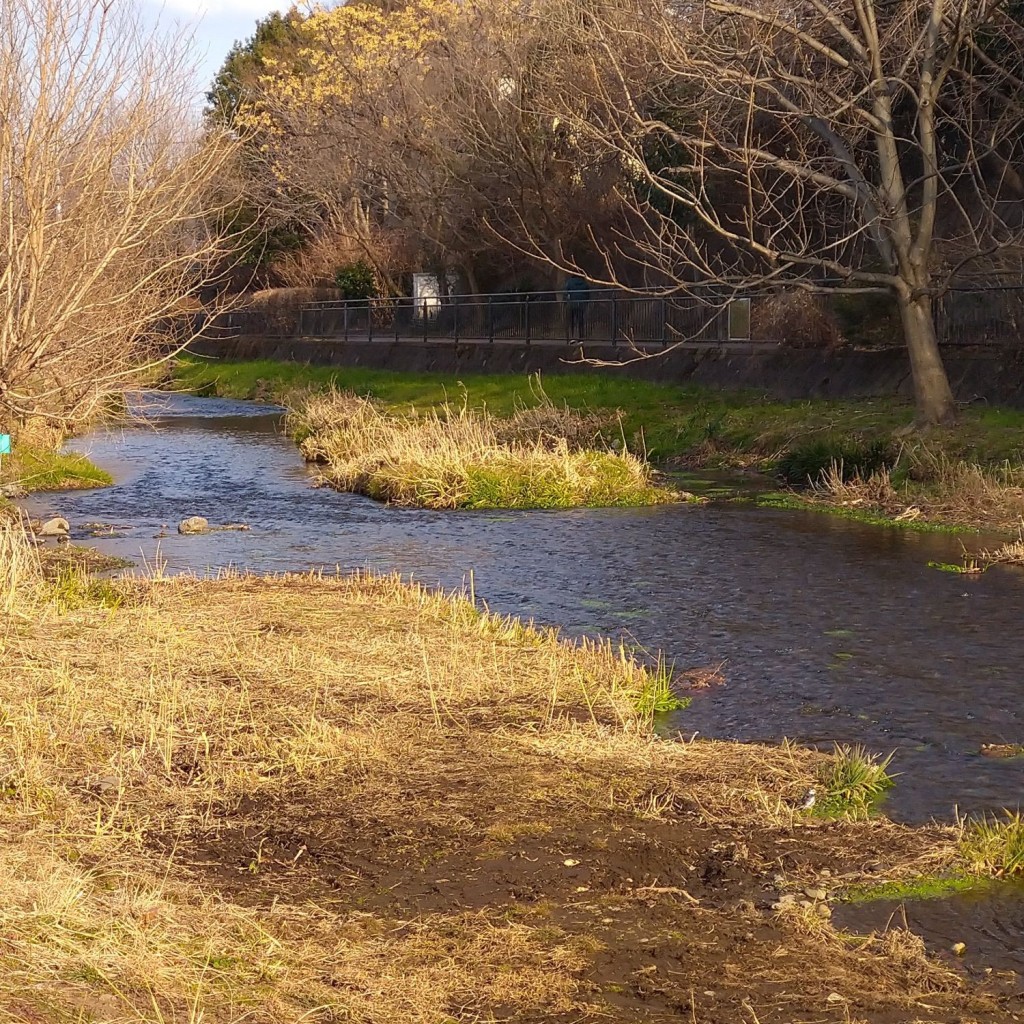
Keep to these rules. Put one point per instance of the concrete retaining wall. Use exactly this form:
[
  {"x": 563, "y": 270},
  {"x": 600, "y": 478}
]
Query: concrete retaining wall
[{"x": 995, "y": 375}]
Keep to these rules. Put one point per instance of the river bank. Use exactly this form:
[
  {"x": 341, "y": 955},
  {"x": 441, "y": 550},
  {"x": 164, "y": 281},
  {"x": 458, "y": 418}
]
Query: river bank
[
  {"x": 30, "y": 469},
  {"x": 273, "y": 795},
  {"x": 967, "y": 477}
]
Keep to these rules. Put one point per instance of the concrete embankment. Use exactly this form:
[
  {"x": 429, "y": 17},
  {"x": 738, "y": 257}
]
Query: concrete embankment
[{"x": 978, "y": 373}]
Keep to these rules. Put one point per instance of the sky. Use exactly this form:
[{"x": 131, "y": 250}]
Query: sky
[{"x": 216, "y": 25}]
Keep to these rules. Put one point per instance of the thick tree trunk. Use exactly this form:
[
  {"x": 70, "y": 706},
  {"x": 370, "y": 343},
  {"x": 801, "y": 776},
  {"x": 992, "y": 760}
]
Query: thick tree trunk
[{"x": 932, "y": 394}]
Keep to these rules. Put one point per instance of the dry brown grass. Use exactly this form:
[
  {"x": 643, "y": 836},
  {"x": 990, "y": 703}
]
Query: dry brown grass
[
  {"x": 348, "y": 799},
  {"x": 1010, "y": 553},
  {"x": 930, "y": 486},
  {"x": 20, "y": 568},
  {"x": 543, "y": 456}
]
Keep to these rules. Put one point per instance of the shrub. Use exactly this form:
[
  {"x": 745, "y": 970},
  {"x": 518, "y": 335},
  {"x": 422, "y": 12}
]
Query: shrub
[
  {"x": 356, "y": 280},
  {"x": 805, "y": 464},
  {"x": 797, "y": 320}
]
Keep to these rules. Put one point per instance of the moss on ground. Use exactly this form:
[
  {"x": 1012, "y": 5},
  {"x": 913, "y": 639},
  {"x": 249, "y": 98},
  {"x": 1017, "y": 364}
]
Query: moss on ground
[{"x": 926, "y": 887}]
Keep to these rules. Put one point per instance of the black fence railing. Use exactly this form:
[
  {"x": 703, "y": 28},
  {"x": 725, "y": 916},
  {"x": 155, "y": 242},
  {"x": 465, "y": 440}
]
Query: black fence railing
[
  {"x": 972, "y": 315},
  {"x": 992, "y": 315},
  {"x": 530, "y": 317}
]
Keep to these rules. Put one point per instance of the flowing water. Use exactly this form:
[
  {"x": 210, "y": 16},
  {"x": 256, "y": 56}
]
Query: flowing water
[{"x": 830, "y": 631}]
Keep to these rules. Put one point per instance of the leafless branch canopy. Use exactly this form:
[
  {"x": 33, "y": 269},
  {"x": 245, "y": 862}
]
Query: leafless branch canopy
[{"x": 104, "y": 202}]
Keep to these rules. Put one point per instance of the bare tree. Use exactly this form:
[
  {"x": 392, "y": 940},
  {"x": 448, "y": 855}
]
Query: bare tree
[
  {"x": 869, "y": 145},
  {"x": 104, "y": 202}
]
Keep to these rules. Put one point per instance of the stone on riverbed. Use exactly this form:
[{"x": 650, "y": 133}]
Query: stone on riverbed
[
  {"x": 197, "y": 524},
  {"x": 58, "y": 526}
]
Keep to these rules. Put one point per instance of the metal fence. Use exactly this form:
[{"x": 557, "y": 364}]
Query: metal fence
[
  {"x": 542, "y": 317},
  {"x": 968, "y": 315},
  {"x": 992, "y": 315}
]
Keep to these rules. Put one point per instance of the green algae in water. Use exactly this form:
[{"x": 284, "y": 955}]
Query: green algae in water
[{"x": 927, "y": 887}]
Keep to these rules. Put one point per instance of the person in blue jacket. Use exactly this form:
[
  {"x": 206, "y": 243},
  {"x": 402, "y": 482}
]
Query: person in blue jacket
[{"x": 577, "y": 294}]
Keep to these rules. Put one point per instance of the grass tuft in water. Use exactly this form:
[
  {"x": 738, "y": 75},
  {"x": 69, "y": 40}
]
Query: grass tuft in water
[
  {"x": 968, "y": 567},
  {"x": 37, "y": 469},
  {"x": 658, "y": 696},
  {"x": 995, "y": 846},
  {"x": 853, "y": 782}
]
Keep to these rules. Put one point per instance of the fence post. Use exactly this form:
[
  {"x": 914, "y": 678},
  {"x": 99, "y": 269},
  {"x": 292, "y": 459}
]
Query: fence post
[
  {"x": 455, "y": 317},
  {"x": 490, "y": 319},
  {"x": 424, "y": 321},
  {"x": 664, "y": 324},
  {"x": 345, "y": 315},
  {"x": 615, "y": 321},
  {"x": 396, "y": 306},
  {"x": 369, "y": 318},
  {"x": 526, "y": 317}
]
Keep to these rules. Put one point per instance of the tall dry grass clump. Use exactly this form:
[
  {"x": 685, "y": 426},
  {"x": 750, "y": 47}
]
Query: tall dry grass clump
[
  {"x": 20, "y": 569},
  {"x": 928, "y": 485},
  {"x": 456, "y": 457}
]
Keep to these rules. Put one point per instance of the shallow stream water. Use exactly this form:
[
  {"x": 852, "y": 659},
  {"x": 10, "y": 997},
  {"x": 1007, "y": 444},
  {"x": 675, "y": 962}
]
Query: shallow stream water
[{"x": 829, "y": 630}]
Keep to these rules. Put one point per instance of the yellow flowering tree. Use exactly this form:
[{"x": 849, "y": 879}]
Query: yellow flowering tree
[{"x": 417, "y": 130}]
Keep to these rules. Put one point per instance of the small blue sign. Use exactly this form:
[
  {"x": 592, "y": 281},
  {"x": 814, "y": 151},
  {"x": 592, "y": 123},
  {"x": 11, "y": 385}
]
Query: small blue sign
[{"x": 5, "y": 444}]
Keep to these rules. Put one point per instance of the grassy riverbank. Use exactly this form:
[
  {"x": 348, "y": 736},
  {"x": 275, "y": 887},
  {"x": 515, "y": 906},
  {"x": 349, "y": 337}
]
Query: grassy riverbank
[
  {"x": 37, "y": 463},
  {"x": 967, "y": 476},
  {"x": 353, "y": 800},
  {"x": 40, "y": 469},
  {"x": 543, "y": 456}
]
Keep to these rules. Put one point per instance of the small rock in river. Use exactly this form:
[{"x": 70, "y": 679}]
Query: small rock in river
[
  {"x": 1002, "y": 749},
  {"x": 194, "y": 524},
  {"x": 58, "y": 526}
]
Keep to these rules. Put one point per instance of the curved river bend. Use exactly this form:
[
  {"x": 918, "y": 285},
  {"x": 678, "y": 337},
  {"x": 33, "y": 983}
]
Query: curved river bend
[{"x": 830, "y": 631}]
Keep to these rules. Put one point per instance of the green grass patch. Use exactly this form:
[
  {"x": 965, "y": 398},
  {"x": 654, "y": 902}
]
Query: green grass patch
[
  {"x": 721, "y": 427},
  {"x": 36, "y": 469},
  {"x": 853, "y": 783},
  {"x": 597, "y": 480},
  {"x": 929, "y": 482},
  {"x": 658, "y": 695},
  {"x": 870, "y": 517},
  {"x": 926, "y": 887},
  {"x": 72, "y": 588}
]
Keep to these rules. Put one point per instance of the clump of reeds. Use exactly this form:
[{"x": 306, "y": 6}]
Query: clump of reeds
[
  {"x": 456, "y": 457},
  {"x": 995, "y": 846},
  {"x": 1010, "y": 553},
  {"x": 929, "y": 485},
  {"x": 853, "y": 782}
]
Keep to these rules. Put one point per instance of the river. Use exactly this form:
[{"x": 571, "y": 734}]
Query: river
[{"x": 829, "y": 630}]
